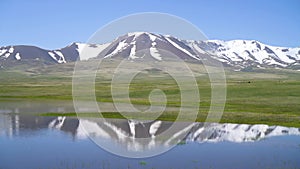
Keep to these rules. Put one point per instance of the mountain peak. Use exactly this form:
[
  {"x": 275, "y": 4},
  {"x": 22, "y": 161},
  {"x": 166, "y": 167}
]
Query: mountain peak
[
  {"x": 137, "y": 33},
  {"x": 147, "y": 45}
]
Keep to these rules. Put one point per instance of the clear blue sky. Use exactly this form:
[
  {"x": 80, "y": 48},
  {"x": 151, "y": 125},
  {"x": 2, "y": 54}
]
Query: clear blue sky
[{"x": 57, "y": 23}]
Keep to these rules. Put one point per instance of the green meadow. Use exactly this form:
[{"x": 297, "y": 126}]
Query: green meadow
[{"x": 260, "y": 96}]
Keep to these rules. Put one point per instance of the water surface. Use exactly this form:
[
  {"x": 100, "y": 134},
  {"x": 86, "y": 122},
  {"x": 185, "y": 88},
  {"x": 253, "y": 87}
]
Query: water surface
[{"x": 31, "y": 141}]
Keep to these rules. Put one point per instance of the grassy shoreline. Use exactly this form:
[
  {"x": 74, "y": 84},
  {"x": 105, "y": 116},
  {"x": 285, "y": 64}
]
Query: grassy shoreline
[
  {"x": 238, "y": 118},
  {"x": 267, "y": 96}
]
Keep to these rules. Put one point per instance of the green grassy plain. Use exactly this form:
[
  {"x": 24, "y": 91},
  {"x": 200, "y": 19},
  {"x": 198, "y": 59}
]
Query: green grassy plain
[{"x": 264, "y": 96}]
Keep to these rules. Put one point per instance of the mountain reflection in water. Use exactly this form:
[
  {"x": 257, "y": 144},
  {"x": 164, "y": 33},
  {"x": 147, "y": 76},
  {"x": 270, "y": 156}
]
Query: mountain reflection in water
[{"x": 126, "y": 132}]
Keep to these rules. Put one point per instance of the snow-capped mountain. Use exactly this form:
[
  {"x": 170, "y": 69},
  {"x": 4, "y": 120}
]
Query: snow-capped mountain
[
  {"x": 25, "y": 54},
  {"x": 145, "y": 45},
  {"x": 237, "y": 53},
  {"x": 245, "y": 53}
]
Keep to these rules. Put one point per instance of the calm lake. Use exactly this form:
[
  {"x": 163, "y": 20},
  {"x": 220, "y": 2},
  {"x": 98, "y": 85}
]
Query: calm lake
[{"x": 37, "y": 142}]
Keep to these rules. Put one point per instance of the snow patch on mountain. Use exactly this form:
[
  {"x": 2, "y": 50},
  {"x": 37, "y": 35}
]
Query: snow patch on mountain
[
  {"x": 52, "y": 55},
  {"x": 2, "y": 51},
  {"x": 121, "y": 45},
  {"x": 61, "y": 58},
  {"x": 87, "y": 51},
  {"x": 6, "y": 51},
  {"x": 7, "y": 55},
  {"x": 152, "y": 37},
  {"x": 18, "y": 56},
  {"x": 136, "y": 34},
  {"x": 133, "y": 52},
  {"x": 155, "y": 53},
  {"x": 80, "y": 47},
  {"x": 180, "y": 48},
  {"x": 11, "y": 50}
]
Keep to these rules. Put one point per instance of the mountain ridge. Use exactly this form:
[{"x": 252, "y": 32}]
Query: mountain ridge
[{"x": 239, "y": 54}]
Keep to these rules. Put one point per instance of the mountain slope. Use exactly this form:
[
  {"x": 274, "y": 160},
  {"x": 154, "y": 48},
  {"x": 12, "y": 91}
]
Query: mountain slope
[
  {"x": 10, "y": 55},
  {"x": 250, "y": 53},
  {"x": 236, "y": 53},
  {"x": 144, "y": 45},
  {"x": 139, "y": 45}
]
